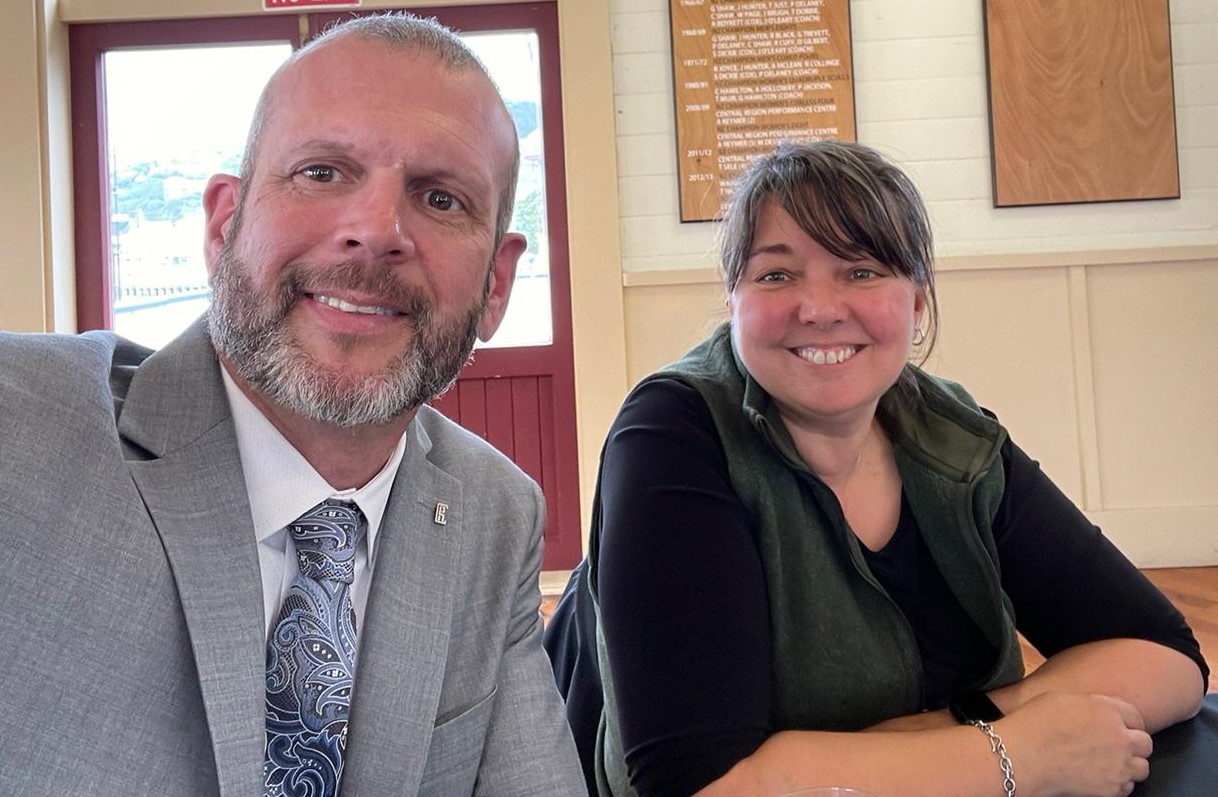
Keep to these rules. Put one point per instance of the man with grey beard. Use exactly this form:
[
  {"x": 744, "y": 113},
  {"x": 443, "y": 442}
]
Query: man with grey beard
[{"x": 255, "y": 562}]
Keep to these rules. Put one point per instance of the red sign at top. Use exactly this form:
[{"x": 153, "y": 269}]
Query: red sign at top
[{"x": 287, "y": 5}]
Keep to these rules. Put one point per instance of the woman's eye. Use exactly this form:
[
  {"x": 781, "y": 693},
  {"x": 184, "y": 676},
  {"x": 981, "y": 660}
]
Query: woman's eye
[
  {"x": 773, "y": 276},
  {"x": 320, "y": 174},
  {"x": 863, "y": 273},
  {"x": 438, "y": 199}
]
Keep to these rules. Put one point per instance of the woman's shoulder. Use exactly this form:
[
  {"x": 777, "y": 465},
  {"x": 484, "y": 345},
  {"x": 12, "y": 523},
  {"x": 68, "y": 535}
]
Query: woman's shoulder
[
  {"x": 931, "y": 400},
  {"x": 940, "y": 388},
  {"x": 664, "y": 397},
  {"x": 667, "y": 387}
]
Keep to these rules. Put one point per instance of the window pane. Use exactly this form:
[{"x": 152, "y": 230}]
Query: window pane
[
  {"x": 512, "y": 59},
  {"x": 177, "y": 115},
  {"x": 174, "y": 117}
]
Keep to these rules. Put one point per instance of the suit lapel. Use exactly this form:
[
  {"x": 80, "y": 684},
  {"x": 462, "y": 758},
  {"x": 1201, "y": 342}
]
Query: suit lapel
[
  {"x": 187, "y": 469},
  {"x": 404, "y": 641}
]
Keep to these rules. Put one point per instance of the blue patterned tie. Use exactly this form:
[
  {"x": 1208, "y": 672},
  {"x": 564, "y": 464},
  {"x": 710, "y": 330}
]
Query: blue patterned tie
[{"x": 310, "y": 660}]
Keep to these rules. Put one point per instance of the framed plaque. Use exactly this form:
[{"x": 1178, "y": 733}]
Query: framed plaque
[
  {"x": 748, "y": 74},
  {"x": 1082, "y": 106}
]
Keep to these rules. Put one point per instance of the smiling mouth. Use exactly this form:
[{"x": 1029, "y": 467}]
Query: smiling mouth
[
  {"x": 348, "y": 307},
  {"x": 833, "y": 356}
]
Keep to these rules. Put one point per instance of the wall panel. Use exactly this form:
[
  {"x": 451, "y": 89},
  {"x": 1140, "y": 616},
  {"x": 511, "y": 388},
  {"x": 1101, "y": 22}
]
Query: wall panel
[{"x": 1154, "y": 339}]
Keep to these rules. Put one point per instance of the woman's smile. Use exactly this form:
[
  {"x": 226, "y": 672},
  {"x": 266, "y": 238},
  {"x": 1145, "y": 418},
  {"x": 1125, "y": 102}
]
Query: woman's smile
[{"x": 818, "y": 355}]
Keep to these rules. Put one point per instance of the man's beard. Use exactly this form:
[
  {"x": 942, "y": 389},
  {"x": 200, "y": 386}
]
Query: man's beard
[{"x": 251, "y": 330}]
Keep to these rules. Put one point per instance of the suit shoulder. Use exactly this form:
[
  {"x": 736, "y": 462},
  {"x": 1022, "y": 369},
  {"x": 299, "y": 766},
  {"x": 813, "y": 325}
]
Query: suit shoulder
[{"x": 94, "y": 367}]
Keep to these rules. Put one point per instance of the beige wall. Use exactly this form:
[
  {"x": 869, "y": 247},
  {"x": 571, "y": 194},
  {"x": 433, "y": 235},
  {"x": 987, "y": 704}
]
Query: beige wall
[{"x": 1083, "y": 326}]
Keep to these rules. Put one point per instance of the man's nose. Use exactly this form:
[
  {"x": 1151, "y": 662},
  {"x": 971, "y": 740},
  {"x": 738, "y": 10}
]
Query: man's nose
[{"x": 374, "y": 222}]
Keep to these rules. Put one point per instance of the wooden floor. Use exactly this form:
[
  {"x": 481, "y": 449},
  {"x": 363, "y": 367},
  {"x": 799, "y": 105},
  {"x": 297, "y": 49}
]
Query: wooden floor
[{"x": 1194, "y": 590}]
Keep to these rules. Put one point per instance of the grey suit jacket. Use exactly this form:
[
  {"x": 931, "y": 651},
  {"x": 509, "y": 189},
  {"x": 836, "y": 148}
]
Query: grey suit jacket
[{"x": 131, "y": 619}]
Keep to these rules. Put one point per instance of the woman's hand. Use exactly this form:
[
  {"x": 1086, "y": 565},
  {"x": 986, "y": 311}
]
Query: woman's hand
[
  {"x": 1076, "y": 745},
  {"x": 1061, "y": 745}
]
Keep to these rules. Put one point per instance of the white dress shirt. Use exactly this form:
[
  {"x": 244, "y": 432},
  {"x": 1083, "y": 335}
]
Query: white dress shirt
[{"x": 282, "y": 486}]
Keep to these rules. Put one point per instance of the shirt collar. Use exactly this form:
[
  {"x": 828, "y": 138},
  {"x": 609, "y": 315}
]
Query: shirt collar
[{"x": 281, "y": 483}]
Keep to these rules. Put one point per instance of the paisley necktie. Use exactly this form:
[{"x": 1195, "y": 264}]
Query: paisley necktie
[{"x": 310, "y": 660}]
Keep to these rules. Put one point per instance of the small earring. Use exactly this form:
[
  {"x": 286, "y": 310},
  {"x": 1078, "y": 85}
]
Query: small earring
[{"x": 919, "y": 336}]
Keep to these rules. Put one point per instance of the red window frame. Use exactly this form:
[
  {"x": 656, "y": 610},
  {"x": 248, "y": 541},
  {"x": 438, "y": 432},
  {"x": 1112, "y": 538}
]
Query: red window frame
[{"x": 87, "y": 44}]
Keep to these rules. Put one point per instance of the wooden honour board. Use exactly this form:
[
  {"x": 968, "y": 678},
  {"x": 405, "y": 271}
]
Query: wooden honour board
[
  {"x": 748, "y": 74},
  {"x": 1081, "y": 101}
]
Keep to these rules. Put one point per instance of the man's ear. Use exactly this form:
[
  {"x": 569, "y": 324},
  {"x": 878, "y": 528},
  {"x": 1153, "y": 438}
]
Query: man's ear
[
  {"x": 220, "y": 200},
  {"x": 500, "y": 279}
]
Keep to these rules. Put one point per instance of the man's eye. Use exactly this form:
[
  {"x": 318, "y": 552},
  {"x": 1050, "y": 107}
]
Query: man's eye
[
  {"x": 438, "y": 199},
  {"x": 321, "y": 174}
]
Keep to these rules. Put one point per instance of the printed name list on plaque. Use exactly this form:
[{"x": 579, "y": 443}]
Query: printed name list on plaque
[{"x": 749, "y": 74}]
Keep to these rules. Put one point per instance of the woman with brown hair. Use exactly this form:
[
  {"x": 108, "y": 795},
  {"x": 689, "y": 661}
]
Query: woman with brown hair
[{"x": 809, "y": 557}]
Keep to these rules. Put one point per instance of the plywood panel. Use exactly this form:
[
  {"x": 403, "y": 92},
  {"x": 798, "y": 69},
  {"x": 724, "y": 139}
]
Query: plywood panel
[{"x": 1081, "y": 101}]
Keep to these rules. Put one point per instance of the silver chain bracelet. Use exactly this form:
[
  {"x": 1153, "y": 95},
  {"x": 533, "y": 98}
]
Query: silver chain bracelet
[{"x": 999, "y": 749}]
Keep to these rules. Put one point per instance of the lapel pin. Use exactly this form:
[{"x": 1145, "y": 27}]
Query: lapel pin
[{"x": 441, "y": 516}]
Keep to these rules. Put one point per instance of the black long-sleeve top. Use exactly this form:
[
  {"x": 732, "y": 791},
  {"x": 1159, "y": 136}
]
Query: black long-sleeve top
[{"x": 684, "y": 607}]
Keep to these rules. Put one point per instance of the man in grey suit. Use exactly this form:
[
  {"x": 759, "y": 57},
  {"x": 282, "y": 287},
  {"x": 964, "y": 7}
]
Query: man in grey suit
[{"x": 147, "y": 498}]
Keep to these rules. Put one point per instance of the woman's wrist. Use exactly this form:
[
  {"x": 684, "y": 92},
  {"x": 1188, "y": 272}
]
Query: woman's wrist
[
  {"x": 999, "y": 749},
  {"x": 922, "y": 721}
]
